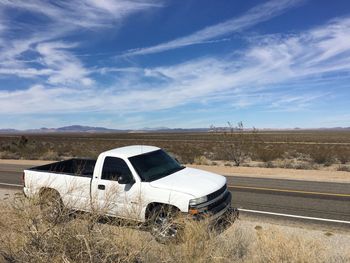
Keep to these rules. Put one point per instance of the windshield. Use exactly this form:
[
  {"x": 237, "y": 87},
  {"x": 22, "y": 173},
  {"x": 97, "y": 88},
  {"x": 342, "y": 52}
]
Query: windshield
[{"x": 154, "y": 165}]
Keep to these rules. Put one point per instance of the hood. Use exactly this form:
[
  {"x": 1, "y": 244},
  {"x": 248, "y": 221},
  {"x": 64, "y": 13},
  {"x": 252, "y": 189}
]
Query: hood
[{"x": 191, "y": 181}]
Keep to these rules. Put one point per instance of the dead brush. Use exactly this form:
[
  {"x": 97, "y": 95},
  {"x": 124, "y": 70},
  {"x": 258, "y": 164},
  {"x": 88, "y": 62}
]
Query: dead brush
[
  {"x": 27, "y": 237},
  {"x": 203, "y": 241},
  {"x": 274, "y": 246}
]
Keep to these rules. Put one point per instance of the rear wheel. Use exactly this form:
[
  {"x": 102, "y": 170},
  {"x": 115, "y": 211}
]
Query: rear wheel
[
  {"x": 51, "y": 206},
  {"x": 163, "y": 224}
]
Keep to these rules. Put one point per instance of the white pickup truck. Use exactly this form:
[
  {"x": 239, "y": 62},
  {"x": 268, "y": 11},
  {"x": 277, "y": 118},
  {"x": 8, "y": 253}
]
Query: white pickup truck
[{"x": 139, "y": 182}]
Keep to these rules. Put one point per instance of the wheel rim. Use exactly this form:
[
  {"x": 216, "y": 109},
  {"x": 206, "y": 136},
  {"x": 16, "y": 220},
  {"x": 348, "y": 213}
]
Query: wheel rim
[{"x": 163, "y": 227}]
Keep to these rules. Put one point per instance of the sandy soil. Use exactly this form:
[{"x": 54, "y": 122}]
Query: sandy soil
[
  {"x": 6, "y": 193},
  {"x": 280, "y": 173},
  {"x": 24, "y": 162}
]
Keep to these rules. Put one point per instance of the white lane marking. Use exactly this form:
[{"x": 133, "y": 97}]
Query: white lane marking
[
  {"x": 295, "y": 216},
  {"x": 16, "y": 185}
]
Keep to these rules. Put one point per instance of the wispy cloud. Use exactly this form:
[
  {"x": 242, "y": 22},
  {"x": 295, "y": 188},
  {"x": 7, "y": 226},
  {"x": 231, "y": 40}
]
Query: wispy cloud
[
  {"x": 51, "y": 58},
  {"x": 65, "y": 67},
  {"x": 2, "y": 27},
  {"x": 252, "y": 17},
  {"x": 88, "y": 14},
  {"x": 336, "y": 120},
  {"x": 293, "y": 103},
  {"x": 257, "y": 76}
]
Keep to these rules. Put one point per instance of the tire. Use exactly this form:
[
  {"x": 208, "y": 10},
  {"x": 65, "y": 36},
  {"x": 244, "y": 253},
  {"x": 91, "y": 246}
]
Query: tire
[
  {"x": 51, "y": 206},
  {"x": 163, "y": 225}
]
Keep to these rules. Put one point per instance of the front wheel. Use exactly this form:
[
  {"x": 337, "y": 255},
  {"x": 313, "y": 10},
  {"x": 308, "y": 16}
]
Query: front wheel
[{"x": 163, "y": 224}]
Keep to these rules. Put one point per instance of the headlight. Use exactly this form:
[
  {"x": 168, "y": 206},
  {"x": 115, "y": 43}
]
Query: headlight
[{"x": 198, "y": 201}]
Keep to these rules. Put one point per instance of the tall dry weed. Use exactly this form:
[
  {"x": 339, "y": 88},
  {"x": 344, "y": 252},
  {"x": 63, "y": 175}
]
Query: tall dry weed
[{"x": 27, "y": 237}]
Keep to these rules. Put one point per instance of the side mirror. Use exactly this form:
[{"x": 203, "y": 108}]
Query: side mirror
[{"x": 122, "y": 179}]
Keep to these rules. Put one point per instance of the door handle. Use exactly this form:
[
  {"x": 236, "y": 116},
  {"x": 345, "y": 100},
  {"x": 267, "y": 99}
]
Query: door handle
[{"x": 101, "y": 187}]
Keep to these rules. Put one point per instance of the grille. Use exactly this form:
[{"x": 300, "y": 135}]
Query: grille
[
  {"x": 217, "y": 193},
  {"x": 223, "y": 200},
  {"x": 220, "y": 204}
]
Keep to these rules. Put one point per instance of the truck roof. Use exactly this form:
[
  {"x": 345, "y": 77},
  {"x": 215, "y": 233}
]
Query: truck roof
[{"x": 129, "y": 151}]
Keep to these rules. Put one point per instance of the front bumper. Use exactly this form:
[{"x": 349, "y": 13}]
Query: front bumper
[{"x": 219, "y": 209}]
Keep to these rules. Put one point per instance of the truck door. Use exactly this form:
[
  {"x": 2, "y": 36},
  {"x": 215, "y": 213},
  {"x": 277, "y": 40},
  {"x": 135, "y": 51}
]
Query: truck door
[{"x": 116, "y": 198}]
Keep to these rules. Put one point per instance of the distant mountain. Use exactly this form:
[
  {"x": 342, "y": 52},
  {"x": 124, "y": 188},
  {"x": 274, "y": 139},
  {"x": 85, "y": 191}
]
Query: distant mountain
[
  {"x": 89, "y": 129},
  {"x": 8, "y": 130},
  {"x": 72, "y": 128},
  {"x": 155, "y": 128},
  {"x": 179, "y": 130},
  {"x": 166, "y": 129},
  {"x": 79, "y": 128}
]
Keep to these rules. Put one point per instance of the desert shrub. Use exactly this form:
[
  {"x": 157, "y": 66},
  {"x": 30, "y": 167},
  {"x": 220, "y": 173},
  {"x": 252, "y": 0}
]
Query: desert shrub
[
  {"x": 23, "y": 141},
  {"x": 304, "y": 157},
  {"x": 322, "y": 155},
  {"x": 9, "y": 155},
  {"x": 201, "y": 160},
  {"x": 288, "y": 165},
  {"x": 267, "y": 153},
  {"x": 185, "y": 151},
  {"x": 9, "y": 147},
  {"x": 235, "y": 143},
  {"x": 343, "y": 168},
  {"x": 304, "y": 166},
  {"x": 269, "y": 164},
  {"x": 291, "y": 164},
  {"x": 50, "y": 155},
  {"x": 343, "y": 155}
]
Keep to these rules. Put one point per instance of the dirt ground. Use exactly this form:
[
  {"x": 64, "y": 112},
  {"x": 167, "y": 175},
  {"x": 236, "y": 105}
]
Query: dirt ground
[{"x": 24, "y": 162}]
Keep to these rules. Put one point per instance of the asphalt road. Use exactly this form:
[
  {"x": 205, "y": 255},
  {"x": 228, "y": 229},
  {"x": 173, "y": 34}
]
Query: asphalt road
[
  {"x": 302, "y": 198},
  {"x": 292, "y": 197}
]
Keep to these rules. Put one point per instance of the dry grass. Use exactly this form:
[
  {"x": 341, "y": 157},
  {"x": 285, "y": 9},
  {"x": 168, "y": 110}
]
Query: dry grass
[
  {"x": 27, "y": 237},
  {"x": 275, "y": 246}
]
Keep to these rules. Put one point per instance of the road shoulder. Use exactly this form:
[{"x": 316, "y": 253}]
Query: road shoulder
[{"x": 279, "y": 173}]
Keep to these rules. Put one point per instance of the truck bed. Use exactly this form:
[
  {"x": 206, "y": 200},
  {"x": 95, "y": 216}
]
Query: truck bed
[{"x": 75, "y": 166}]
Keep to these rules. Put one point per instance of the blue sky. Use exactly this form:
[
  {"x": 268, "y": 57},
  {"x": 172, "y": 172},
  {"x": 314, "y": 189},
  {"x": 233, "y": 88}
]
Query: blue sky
[{"x": 175, "y": 63}]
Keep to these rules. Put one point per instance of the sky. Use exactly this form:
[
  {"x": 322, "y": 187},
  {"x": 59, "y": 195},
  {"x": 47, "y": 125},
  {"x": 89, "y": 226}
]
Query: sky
[{"x": 130, "y": 64}]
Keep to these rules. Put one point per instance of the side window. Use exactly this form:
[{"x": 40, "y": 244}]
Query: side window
[{"x": 114, "y": 167}]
